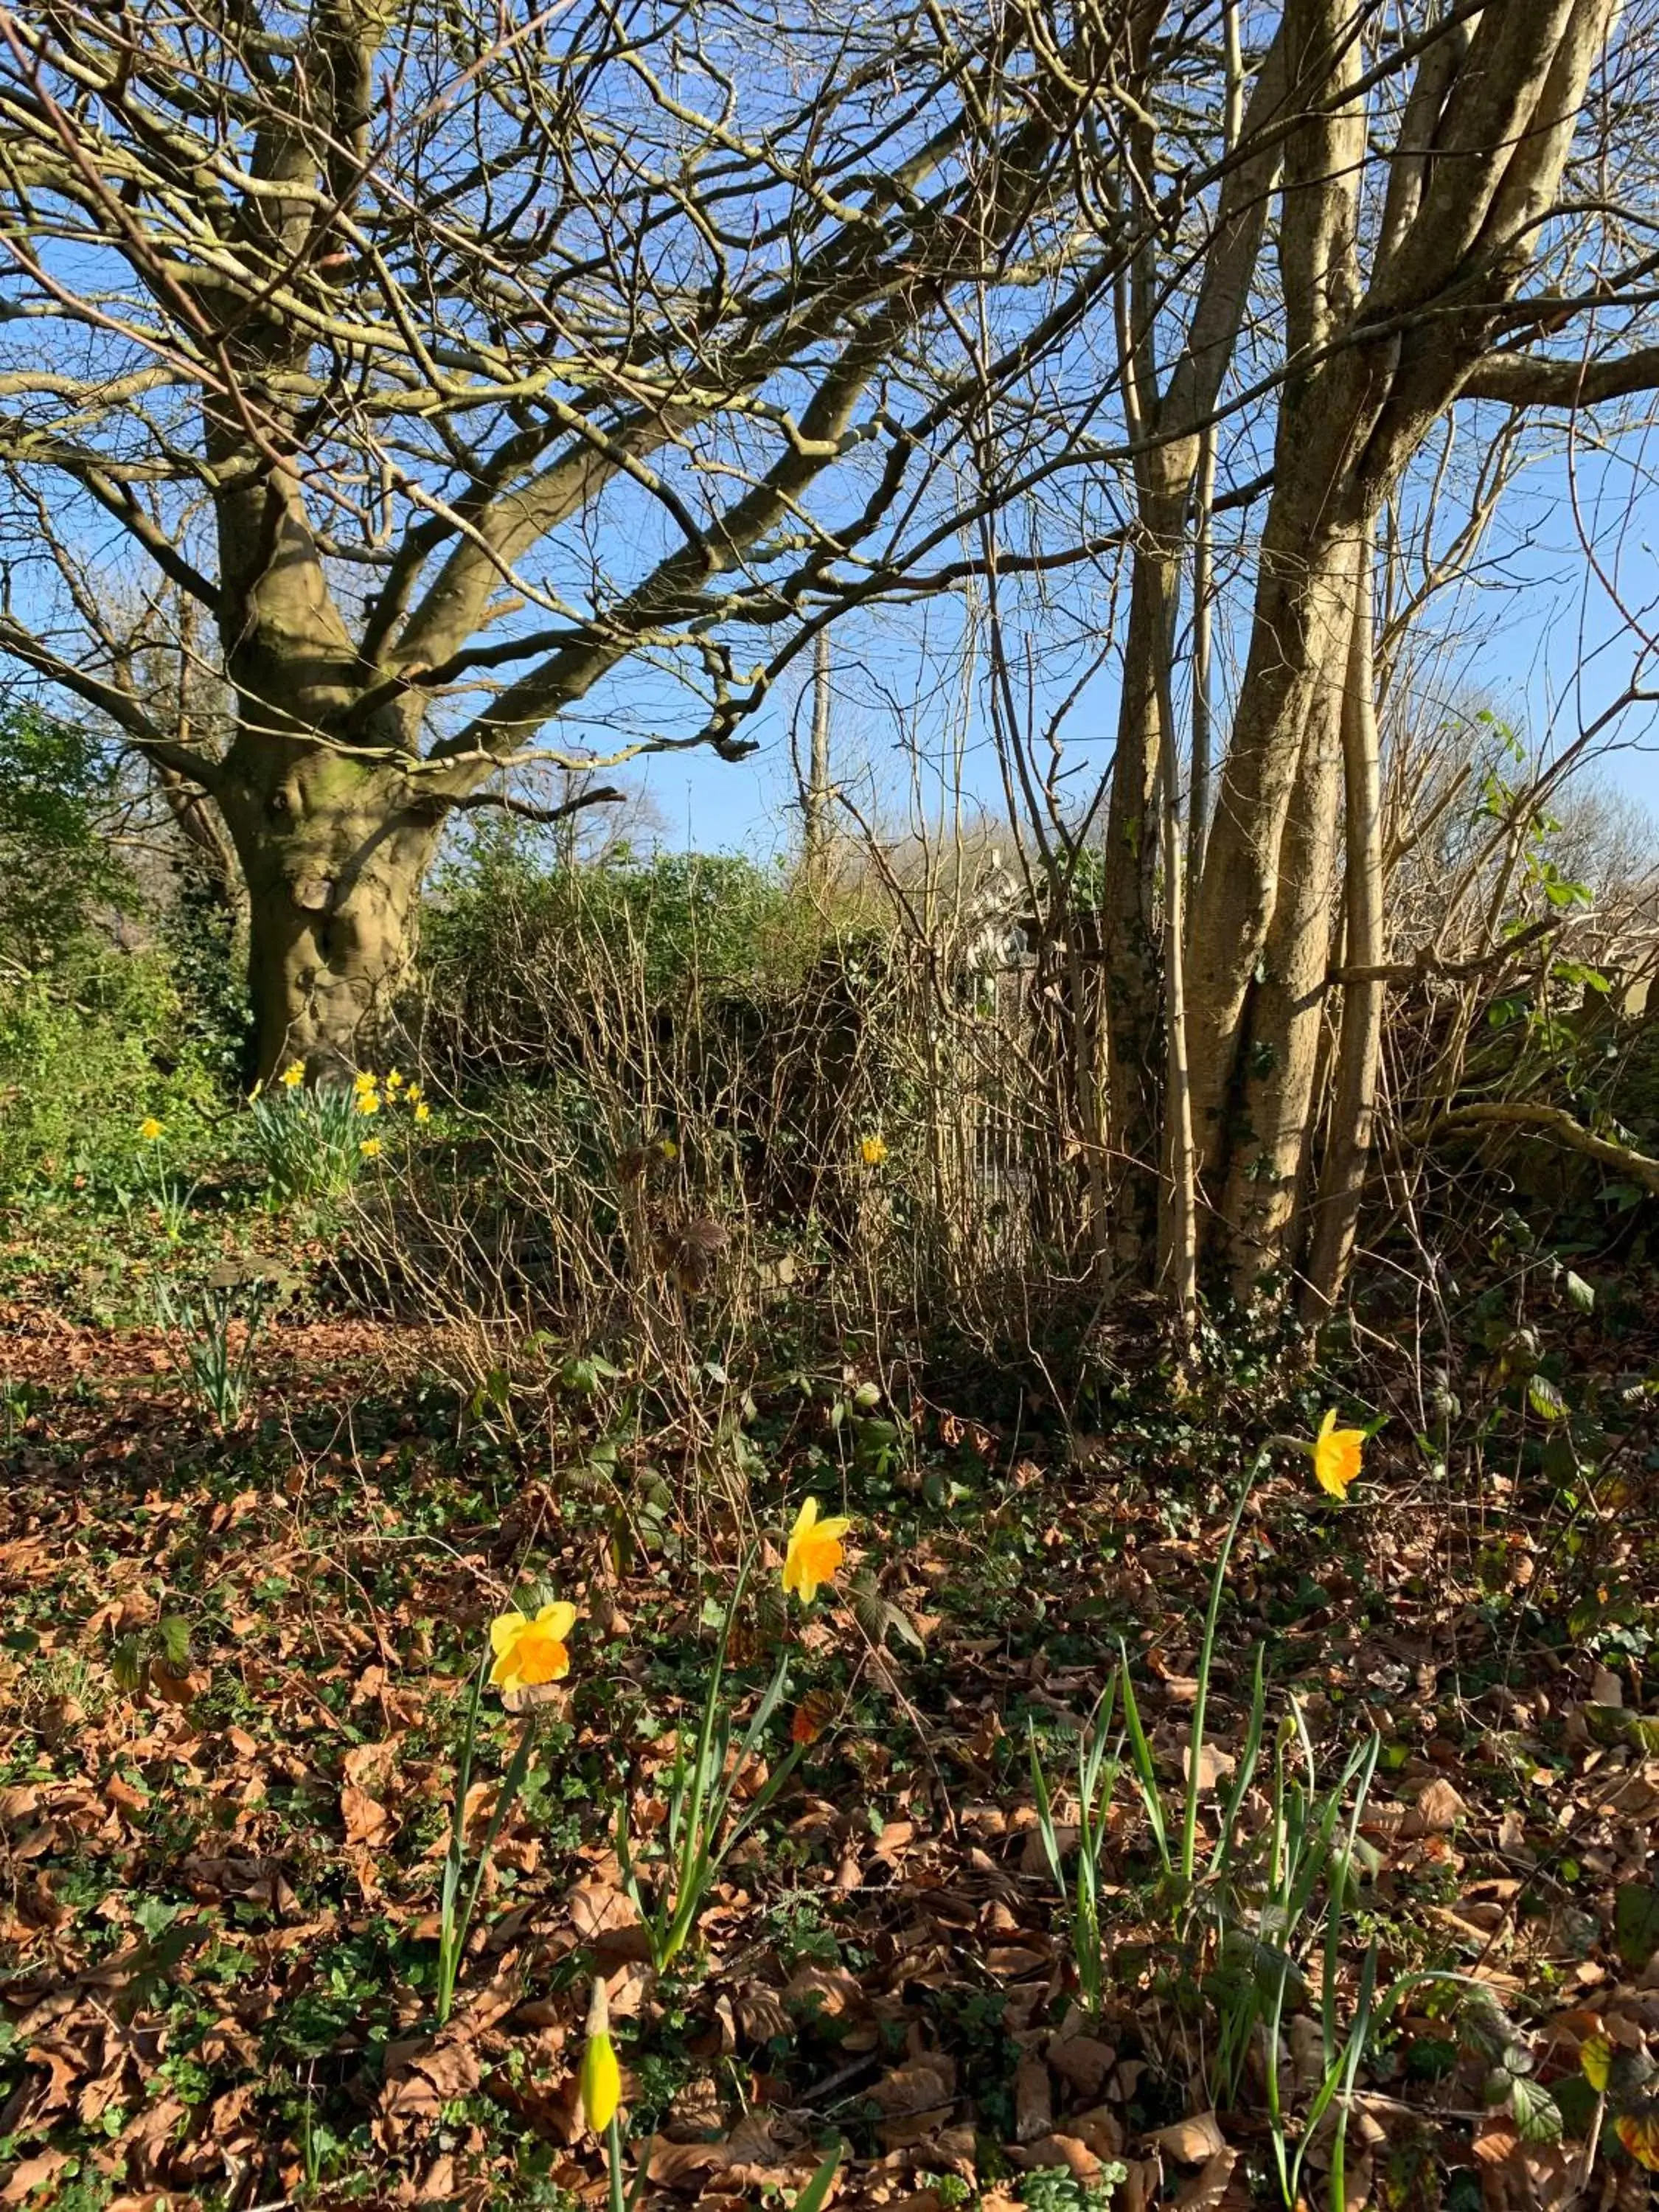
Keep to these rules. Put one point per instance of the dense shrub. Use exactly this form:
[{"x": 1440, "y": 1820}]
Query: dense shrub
[
  {"x": 87, "y": 1050},
  {"x": 57, "y": 868},
  {"x": 510, "y": 943},
  {"x": 95, "y": 1034}
]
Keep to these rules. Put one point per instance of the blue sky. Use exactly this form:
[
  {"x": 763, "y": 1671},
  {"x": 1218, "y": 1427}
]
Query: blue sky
[{"x": 1549, "y": 637}]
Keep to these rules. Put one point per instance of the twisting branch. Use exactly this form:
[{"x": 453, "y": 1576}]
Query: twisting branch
[
  {"x": 524, "y": 810},
  {"x": 1549, "y": 1122}
]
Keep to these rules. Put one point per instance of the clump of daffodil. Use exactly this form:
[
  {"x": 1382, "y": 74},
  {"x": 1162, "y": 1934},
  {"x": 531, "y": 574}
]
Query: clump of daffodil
[
  {"x": 530, "y": 1648},
  {"x": 815, "y": 1552},
  {"x": 293, "y": 1075},
  {"x": 600, "y": 2079},
  {"x": 873, "y": 1150},
  {"x": 1335, "y": 1453},
  {"x": 149, "y": 1128},
  {"x": 370, "y": 1148}
]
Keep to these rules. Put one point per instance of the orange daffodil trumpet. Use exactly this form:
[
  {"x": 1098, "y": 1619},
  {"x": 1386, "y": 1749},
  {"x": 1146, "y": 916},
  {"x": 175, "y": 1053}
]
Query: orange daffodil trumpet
[
  {"x": 531, "y": 1650},
  {"x": 815, "y": 1552},
  {"x": 1335, "y": 1453}
]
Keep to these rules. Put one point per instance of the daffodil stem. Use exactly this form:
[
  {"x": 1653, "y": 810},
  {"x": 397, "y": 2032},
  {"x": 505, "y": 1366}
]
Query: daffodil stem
[
  {"x": 700, "y": 1802},
  {"x": 614, "y": 2160},
  {"x": 452, "y": 1932},
  {"x": 1206, "y": 1653},
  {"x": 455, "y": 1923}
]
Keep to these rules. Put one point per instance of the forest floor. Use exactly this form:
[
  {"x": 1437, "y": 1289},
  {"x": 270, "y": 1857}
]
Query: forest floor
[{"x": 233, "y": 1675}]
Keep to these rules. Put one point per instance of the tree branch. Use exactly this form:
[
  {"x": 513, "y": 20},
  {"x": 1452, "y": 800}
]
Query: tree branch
[
  {"x": 1526, "y": 380},
  {"x": 606, "y": 795},
  {"x": 1550, "y": 1121},
  {"x": 1429, "y": 963},
  {"x": 120, "y": 706}
]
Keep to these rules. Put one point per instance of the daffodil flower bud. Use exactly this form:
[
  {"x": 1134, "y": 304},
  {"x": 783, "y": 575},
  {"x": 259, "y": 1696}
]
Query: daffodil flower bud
[{"x": 601, "y": 2080}]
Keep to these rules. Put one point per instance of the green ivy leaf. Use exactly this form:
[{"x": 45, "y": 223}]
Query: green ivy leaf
[
  {"x": 1537, "y": 2116},
  {"x": 878, "y": 1616},
  {"x": 1545, "y": 1399},
  {"x": 1636, "y": 1922},
  {"x": 128, "y": 1665}
]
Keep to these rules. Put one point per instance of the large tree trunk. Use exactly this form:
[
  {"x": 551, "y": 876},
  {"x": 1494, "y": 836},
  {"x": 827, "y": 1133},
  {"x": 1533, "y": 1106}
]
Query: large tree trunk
[
  {"x": 1302, "y": 614},
  {"x": 334, "y": 860},
  {"x": 1457, "y": 234}
]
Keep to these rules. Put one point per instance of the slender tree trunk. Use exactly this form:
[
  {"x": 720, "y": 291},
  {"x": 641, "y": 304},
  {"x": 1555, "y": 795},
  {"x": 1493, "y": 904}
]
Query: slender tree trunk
[
  {"x": 1137, "y": 1052},
  {"x": 1178, "y": 1213},
  {"x": 1354, "y": 1113},
  {"x": 1198, "y": 797},
  {"x": 1268, "y": 1138},
  {"x": 816, "y": 793},
  {"x": 1198, "y": 793},
  {"x": 1133, "y": 993}
]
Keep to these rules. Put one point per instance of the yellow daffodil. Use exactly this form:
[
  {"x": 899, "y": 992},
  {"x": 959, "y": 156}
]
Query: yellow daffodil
[
  {"x": 368, "y": 1102},
  {"x": 412, "y": 1093},
  {"x": 293, "y": 1075},
  {"x": 422, "y": 1111},
  {"x": 600, "y": 2079},
  {"x": 1335, "y": 1453},
  {"x": 815, "y": 1551},
  {"x": 394, "y": 1081},
  {"x": 149, "y": 1128},
  {"x": 370, "y": 1148},
  {"x": 365, "y": 1080},
  {"x": 873, "y": 1151},
  {"x": 528, "y": 1652}
]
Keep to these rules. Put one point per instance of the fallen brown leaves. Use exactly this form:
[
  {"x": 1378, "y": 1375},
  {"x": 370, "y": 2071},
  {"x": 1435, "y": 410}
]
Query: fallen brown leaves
[{"x": 220, "y": 1887}]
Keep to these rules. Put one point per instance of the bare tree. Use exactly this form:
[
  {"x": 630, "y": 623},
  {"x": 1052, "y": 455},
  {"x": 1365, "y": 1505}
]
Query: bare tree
[{"x": 477, "y": 370}]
